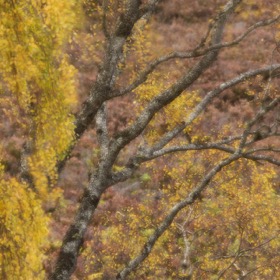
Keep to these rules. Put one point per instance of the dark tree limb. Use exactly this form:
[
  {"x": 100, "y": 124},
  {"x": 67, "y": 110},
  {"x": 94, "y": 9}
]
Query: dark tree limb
[
  {"x": 100, "y": 92},
  {"x": 102, "y": 88},
  {"x": 73, "y": 240}
]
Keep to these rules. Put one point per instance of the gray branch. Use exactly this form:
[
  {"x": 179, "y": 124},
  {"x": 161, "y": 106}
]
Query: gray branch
[
  {"x": 102, "y": 88},
  {"x": 207, "y": 100},
  {"x": 102, "y": 130},
  {"x": 175, "y": 90},
  {"x": 197, "y": 52}
]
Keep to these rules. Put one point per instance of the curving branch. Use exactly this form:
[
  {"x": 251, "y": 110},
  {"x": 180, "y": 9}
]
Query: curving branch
[
  {"x": 149, "y": 9},
  {"x": 207, "y": 100},
  {"x": 150, "y": 153},
  {"x": 167, "y": 96},
  {"x": 242, "y": 253},
  {"x": 197, "y": 52},
  {"x": 236, "y": 256},
  {"x": 157, "y": 149},
  {"x": 186, "y": 263}
]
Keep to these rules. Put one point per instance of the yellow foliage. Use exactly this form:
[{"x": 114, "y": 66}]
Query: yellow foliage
[
  {"x": 233, "y": 204},
  {"x": 37, "y": 73},
  {"x": 38, "y": 84},
  {"x": 23, "y": 231}
]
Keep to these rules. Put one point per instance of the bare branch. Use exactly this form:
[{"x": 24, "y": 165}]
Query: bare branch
[
  {"x": 208, "y": 98},
  {"x": 104, "y": 19},
  {"x": 192, "y": 54},
  {"x": 259, "y": 245},
  {"x": 266, "y": 158},
  {"x": 263, "y": 149},
  {"x": 223, "y": 146},
  {"x": 146, "y": 155},
  {"x": 175, "y": 90},
  {"x": 192, "y": 147},
  {"x": 102, "y": 130},
  {"x": 147, "y": 11},
  {"x": 186, "y": 263}
]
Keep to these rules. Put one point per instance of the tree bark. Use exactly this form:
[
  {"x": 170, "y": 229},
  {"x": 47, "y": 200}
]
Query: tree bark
[{"x": 73, "y": 240}]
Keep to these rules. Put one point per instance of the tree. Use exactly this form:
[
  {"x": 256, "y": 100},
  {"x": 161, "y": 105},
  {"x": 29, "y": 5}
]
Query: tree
[
  {"x": 37, "y": 91},
  {"x": 170, "y": 113}
]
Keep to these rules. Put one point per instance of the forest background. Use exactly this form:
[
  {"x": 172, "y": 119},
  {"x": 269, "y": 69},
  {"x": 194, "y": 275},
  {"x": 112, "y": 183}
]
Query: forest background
[{"x": 155, "y": 123}]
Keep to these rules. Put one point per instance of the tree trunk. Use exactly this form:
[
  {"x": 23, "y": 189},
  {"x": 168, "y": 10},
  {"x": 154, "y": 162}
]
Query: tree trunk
[{"x": 73, "y": 240}]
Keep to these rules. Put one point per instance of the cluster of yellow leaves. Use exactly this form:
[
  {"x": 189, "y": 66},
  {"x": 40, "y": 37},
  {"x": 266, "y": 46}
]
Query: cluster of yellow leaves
[
  {"x": 138, "y": 48},
  {"x": 38, "y": 89},
  {"x": 37, "y": 74},
  {"x": 241, "y": 212},
  {"x": 23, "y": 231},
  {"x": 251, "y": 9}
]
